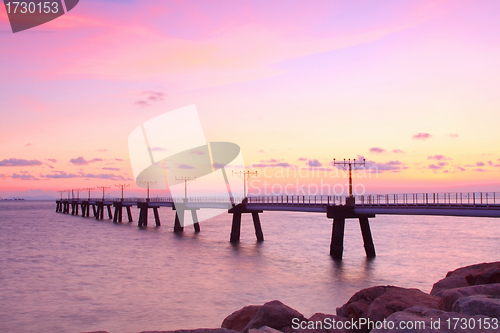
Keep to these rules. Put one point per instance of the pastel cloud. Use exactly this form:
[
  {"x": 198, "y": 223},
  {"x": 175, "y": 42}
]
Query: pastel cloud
[
  {"x": 422, "y": 136},
  {"x": 19, "y": 162},
  {"x": 377, "y": 150},
  {"x": 24, "y": 177},
  {"x": 81, "y": 161},
  {"x": 314, "y": 163},
  {"x": 438, "y": 157}
]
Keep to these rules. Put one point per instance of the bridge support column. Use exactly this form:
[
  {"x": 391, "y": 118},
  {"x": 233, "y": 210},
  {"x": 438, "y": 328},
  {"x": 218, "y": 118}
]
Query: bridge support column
[
  {"x": 129, "y": 214},
  {"x": 143, "y": 214},
  {"x": 367, "y": 237},
  {"x": 236, "y": 228},
  {"x": 258, "y": 227},
  {"x": 196, "y": 225},
  {"x": 95, "y": 212},
  {"x": 73, "y": 204},
  {"x": 76, "y": 209},
  {"x": 109, "y": 212},
  {"x": 337, "y": 244},
  {"x": 157, "y": 216},
  {"x": 179, "y": 216},
  {"x": 118, "y": 210}
]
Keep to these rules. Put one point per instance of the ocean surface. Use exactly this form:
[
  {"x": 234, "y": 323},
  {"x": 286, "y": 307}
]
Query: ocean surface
[{"x": 63, "y": 273}]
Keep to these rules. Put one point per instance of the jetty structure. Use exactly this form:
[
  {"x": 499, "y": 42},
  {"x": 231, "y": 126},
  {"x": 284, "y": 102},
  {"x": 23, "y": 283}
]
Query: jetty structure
[{"x": 337, "y": 208}]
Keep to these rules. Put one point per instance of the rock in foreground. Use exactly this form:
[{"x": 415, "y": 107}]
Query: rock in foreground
[{"x": 273, "y": 314}]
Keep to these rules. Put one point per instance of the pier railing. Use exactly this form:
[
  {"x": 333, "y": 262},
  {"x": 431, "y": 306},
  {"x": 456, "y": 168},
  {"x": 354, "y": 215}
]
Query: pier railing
[
  {"x": 451, "y": 198},
  {"x": 305, "y": 200},
  {"x": 455, "y": 198}
]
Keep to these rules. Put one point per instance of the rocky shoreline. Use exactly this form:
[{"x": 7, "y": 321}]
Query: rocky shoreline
[{"x": 466, "y": 300}]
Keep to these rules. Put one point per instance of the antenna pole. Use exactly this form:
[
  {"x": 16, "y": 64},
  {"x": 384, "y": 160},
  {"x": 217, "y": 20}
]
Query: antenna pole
[
  {"x": 103, "y": 188},
  {"x": 89, "y": 189},
  {"x": 122, "y": 186},
  {"x": 246, "y": 176},
  {"x": 350, "y": 167},
  {"x": 186, "y": 181},
  {"x": 148, "y": 185}
]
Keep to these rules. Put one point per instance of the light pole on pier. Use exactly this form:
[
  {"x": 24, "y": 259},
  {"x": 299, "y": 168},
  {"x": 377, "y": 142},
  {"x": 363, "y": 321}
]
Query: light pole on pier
[
  {"x": 90, "y": 189},
  {"x": 103, "y": 188},
  {"x": 350, "y": 167},
  {"x": 78, "y": 190},
  {"x": 61, "y": 193},
  {"x": 122, "y": 186},
  {"x": 148, "y": 185},
  {"x": 186, "y": 181},
  {"x": 246, "y": 176}
]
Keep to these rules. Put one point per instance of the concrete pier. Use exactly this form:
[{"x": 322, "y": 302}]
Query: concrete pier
[{"x": 237, "y": 211}]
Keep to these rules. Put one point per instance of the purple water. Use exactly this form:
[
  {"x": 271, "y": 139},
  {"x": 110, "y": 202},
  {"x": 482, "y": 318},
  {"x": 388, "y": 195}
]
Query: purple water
[{"x": 63, "y": 273}]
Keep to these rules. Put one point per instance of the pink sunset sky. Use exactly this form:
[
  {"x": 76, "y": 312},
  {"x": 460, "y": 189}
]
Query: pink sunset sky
[{"x": 411, "y": 86}]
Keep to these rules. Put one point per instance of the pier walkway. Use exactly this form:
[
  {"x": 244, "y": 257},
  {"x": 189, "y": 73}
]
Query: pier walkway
[{"x": 338, "y": 208}]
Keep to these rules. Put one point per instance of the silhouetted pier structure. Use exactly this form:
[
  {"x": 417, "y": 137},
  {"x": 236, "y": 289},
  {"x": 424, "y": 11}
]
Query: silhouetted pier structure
[{"x": 337, "y": 208}]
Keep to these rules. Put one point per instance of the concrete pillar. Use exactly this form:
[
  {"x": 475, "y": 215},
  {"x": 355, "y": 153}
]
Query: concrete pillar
[
  {"x": 196, "y": 225},
  {"x": 179, "y": 216},
  {"x": 258, "y": 228},
  {"x": 129, "y": 214},
  {"x": 367, "y": 237},
  {"x": 143, "y": 216},
  {"x": 235, "y": 228},
  {"x": 109, "y": 212},
  {"x": 118, "y": 207},
  {"x": 157, "y": 216},
  {"x": 337, "y": 244}
]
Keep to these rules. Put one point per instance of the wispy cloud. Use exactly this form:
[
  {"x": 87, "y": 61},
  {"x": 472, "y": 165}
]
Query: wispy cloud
[
  {"x": 272, "y": 165},
  {"x": 438, "y": 157},
  {"x": 398, "y": 151},
  {"x": 111, "y": 169},
  {"x": 453, "y": 135},
  {"x": 480, "y": 164},
  {"x": 314, "y": 163},
  {"x": 150, "y": 97},
  {"x": 158, "y": 149},
  {"x": 64, "y": 175},
  {"x": 302, "y": 159},
  {"x": 422, "y": 136},
  {"x": 81, "y": 161},
  {"x": 24, "y": 177},
  {"x": 60, "y": 175},
  {"x": 109, "y": 176},
  {"x": 185, "y": 166},
  {"x": 19, "y": 162},
  {"x": 438, "y": 166},
  {"x": 78, "y": 161},
  {"x": 53, "y": 160},
  {"x": 377, "y": 150}
]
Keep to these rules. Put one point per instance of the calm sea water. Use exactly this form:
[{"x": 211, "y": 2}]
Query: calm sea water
[{"x": 62, "y": 273}]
